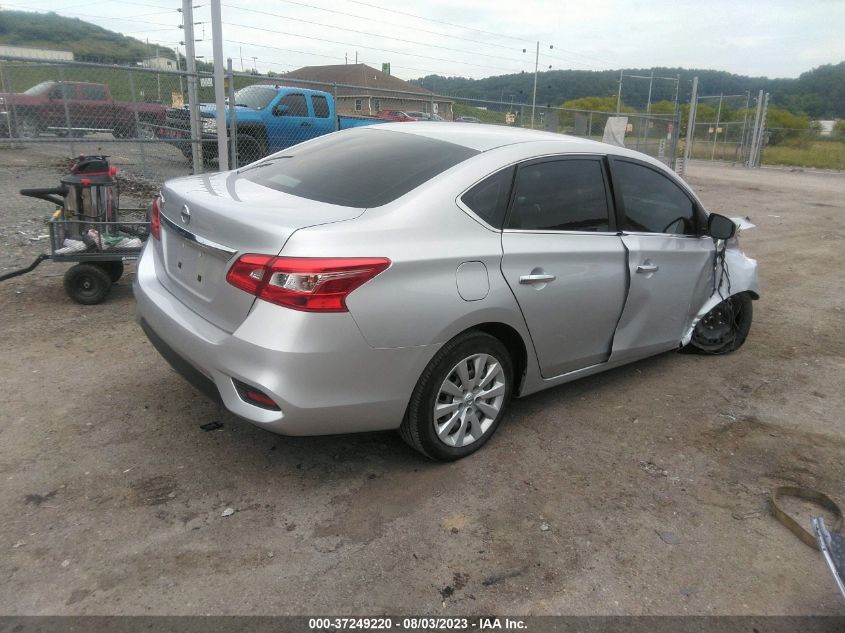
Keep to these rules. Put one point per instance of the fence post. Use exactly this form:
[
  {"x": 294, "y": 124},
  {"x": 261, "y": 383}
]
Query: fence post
[
  {"x": 219, "y": 91},
  {"x": 334, "y": 94},
  {"x": 137, "y": 122},
  {"x": 193, "y": 97},
  {"x": 693, "y": 102},
  {"x": 233, "y": 123},
  {"x": 61, "y": 73},
  {"x": 754, "y": 134},
  {"x": 9, "y": 89}
]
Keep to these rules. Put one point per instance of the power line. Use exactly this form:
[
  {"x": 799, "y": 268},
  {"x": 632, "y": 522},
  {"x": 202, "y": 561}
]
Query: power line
[
  {"x": 374, "y": 48},
  {"x": 523, "y": 40},
  {"x": 395, "y": 24},
  {"x": 369, "y": 34}
]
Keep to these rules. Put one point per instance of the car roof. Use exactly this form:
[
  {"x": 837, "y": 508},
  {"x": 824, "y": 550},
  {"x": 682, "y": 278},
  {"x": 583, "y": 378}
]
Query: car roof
[{"x": 484, "y": 137}]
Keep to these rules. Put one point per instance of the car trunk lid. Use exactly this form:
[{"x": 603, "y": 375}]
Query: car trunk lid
[{"x": 208, "y": 221}]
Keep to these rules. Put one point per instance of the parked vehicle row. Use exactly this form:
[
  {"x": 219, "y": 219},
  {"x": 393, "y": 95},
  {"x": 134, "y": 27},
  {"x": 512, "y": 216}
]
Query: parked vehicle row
[
  {"x": 419, "y": 276},
  {"x": 77, "y": 108}
]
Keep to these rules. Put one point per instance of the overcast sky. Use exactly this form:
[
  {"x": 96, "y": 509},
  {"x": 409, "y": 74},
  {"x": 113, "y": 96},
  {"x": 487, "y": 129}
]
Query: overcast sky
[{"x": 479, "y": 38}]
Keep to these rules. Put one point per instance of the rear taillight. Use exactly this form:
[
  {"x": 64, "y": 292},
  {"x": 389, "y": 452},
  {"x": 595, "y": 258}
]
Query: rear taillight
[
  {"x": 311, "y": 284},
  {"x": 155, "y": 218}
]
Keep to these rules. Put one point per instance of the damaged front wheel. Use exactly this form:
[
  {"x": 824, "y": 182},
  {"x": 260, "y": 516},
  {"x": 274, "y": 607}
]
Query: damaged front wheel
[{"x": 723, "y": 329}]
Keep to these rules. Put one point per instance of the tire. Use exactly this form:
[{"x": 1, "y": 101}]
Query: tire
[
  {"x": 468, "y": 421},
  {"x": 724, "y": 329},
  {"x": 87, "y": 284},
  {"x": 250, "y": 149},
  {"x": 114, "y": 269}
]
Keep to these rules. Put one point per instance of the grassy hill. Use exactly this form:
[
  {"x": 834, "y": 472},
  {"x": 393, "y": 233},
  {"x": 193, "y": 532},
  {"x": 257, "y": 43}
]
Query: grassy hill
[
  {"x": 819, "y": 93},
  {"x": 86, "y": 41}
]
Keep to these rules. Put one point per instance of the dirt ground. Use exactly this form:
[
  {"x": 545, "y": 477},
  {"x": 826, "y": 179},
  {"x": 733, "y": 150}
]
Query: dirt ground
[{"x": 639, "y": 491}]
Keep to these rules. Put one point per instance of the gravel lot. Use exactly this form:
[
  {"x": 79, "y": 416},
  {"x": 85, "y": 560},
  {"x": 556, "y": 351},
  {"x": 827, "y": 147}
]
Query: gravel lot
[{"x": 639, "y": 491}]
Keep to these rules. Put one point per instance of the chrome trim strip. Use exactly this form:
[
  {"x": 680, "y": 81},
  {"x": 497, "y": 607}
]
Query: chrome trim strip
[
  {"x": 553, "y": 232},
  {"x": 196, "y": 239}
]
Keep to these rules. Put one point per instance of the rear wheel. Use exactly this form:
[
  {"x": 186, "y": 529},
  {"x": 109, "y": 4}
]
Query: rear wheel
[
  {"x": 725, "y": 328},
  {"x": 87, "y": 284},
  {"x": 460, "y": 398}
]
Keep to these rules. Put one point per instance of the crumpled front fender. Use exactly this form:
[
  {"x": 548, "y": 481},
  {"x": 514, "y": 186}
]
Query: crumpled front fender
[{"x": 742, "y": 271}]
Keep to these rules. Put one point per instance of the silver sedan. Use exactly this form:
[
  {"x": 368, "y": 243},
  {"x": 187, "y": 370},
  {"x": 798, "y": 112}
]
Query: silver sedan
[{"x": 418, "y": 277}]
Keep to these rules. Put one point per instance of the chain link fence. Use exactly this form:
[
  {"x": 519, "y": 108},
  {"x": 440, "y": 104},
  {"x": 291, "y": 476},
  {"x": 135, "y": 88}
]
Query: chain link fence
[{"x": 141, "y": 117}]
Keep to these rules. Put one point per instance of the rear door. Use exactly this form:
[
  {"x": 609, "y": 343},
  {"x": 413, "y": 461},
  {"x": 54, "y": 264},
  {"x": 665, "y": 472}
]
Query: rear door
[
  {"x": 322, "y": 122},
  {"x": 564, "y": 261},
  {"x": 670, "y": 261}
]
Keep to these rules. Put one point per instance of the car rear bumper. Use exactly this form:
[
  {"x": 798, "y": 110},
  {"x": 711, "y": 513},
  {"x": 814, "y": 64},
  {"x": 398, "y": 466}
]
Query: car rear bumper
[{"x": 318, "y": 368}]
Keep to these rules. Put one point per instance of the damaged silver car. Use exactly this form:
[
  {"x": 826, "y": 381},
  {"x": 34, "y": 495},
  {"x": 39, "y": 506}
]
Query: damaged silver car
[{"x": 419, "y": 276}]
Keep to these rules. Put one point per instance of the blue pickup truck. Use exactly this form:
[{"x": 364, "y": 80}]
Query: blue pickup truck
[{"x": 268, "y": 118}]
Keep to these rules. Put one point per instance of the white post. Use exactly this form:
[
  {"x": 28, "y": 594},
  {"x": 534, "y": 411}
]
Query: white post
[
  {"x": 755, "y": 134},
  {"x": 193, "y": 97},
  {"x": 534, "y": 98},
  {"x": 219, "y": 90}
]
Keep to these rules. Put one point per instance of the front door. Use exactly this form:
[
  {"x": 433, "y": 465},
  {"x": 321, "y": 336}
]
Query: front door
[
  {"x": 291, "y": 122},
  {"x": 564, "y": 261},
  {"x": 670, "y": 262}
]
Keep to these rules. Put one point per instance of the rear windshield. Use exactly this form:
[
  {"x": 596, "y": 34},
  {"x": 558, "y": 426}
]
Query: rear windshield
[{"x": 358, "y": 168}]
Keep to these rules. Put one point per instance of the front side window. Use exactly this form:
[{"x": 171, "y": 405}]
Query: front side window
[
  {"x": 653, "y": 203},
  {"x": 489, "y": 198},
  {"x": 296, "y": 105},
  {"x": 560, "y": 195}
]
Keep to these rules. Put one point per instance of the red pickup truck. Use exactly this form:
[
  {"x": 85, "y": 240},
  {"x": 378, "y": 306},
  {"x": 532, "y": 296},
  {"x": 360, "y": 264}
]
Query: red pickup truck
[{"x": 53, "y": 106}]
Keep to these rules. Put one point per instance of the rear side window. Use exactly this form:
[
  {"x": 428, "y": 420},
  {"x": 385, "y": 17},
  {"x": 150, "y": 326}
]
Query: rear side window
[
  {"x": 364, "y": 167},
  {"x": 321, "y": 107},
  {"x": 296, "y": 105},
  {"x": 653, "y": 203},
  {"x": 489, "y": 198},
  {"x": 560, "y": 195}
]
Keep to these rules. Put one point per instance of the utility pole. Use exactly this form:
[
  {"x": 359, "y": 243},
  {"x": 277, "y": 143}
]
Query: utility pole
[
  {"x": 193, "y": 97},
  {"x": 619, "y": 94},
  {"x": 219, "y": 89},
  {"x": 650, "y": 83},
  {"x": 693, "y": 102},
  {"x": 241, "y": 49},
  {"x": 534, "y": 98},
  {"x": 716, "y": 127},
  {"x": 755, "y": 134}
]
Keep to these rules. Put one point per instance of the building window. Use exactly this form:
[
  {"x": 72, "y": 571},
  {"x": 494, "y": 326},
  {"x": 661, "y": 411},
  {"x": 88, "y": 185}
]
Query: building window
[
  {"x": 357, "y": 105},
  {"x": 377, "y": 104}
]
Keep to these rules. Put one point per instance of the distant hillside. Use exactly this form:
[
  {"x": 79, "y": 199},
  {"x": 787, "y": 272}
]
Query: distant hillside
[
  {"x": 819, "y": 93},
  {"x": 87, "y": 41}
]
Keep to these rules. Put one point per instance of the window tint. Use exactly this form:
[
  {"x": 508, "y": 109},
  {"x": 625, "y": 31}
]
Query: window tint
[
  {"x": 564, "y": 195},
  {"x": 364, "y": 167},
  {"x": 93, "y": 93},
  {"x": 321, "y": 107},
  {"x": 489, "y": 198},
  {"x": 653, "y": 203},
  {"x": 296, "y": 105}
]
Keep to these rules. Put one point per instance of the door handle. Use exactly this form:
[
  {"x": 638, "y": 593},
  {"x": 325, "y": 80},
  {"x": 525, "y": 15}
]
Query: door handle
[
  {"x": 305, "y": 124},
  {"x": 534, "y": 279},
  {"x": 648, "y": 268}
]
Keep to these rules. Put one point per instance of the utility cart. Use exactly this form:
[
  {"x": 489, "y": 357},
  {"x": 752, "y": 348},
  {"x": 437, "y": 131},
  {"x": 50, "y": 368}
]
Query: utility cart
[{"x": 90, "y": 230}]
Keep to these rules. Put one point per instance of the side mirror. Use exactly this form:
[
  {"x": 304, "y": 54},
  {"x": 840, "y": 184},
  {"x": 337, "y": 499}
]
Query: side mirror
[
  {"x": 281, "y": 110},
  {"x": 719, "y": 227}
]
